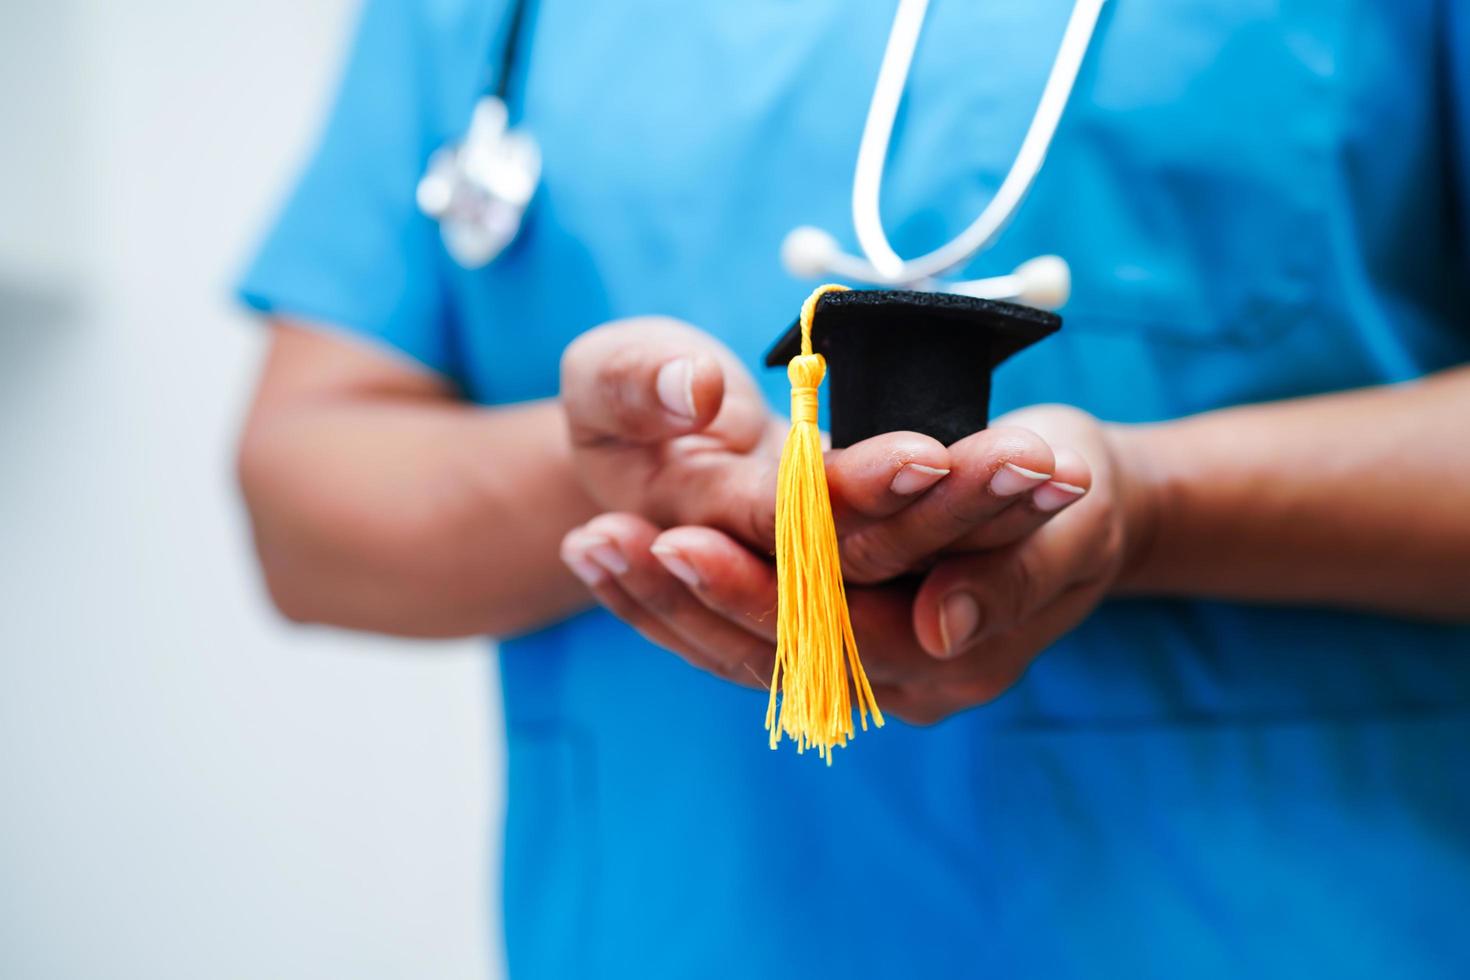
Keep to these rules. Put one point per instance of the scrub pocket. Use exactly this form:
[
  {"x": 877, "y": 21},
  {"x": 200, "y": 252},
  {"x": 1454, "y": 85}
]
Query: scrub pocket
[
  {"x": 549, "y": 852},
  {"x": 1334, "y": 847},
  {"x": 1198, "y": 149}
]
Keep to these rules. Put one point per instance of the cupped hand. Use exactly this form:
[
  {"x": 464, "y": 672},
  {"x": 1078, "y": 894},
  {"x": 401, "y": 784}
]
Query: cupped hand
[
  {"x": 960, "y": 636},
  {"x": 666, "y": 424},
  {"x": 1022, "y": 597}
]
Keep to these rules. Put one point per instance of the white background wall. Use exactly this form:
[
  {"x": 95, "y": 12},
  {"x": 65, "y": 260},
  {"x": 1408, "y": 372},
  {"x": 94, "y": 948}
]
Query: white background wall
[{"x": 188, "y": 787}]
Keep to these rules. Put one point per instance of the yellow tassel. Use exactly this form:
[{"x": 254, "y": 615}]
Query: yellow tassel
[{"x": 815, "y": 648}]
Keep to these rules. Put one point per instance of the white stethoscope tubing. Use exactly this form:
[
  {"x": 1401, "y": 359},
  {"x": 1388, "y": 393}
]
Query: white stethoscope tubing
[
  {"x": 478, "y": 189},
  {"x": 880, "y": 264}
]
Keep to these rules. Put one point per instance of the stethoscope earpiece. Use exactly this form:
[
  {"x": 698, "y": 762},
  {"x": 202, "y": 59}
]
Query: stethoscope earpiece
[
  {"x": 1044, "y": 282},
  {"x": 807, "y": 252}
]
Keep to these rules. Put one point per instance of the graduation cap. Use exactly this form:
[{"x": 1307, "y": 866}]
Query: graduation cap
[
  {"x": 910, "y": 361},
  {"x": 899, "y": 361}
]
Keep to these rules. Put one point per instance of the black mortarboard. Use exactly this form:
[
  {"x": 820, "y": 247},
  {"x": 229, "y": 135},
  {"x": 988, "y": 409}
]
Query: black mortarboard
[{"x": 910, "y": 361}]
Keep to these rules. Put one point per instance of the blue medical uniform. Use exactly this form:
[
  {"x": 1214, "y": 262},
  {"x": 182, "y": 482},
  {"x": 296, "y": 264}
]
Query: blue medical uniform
[{"x": 1259, "y": 198}]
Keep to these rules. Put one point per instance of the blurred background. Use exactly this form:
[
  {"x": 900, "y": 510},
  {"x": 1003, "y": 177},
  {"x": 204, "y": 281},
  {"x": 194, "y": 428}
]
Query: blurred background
[{"x": 188, "y": 786}]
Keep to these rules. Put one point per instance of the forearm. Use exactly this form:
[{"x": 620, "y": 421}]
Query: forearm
[
  {"x": 1360, "y": 500},
  {"x": 418, "y": 517}
]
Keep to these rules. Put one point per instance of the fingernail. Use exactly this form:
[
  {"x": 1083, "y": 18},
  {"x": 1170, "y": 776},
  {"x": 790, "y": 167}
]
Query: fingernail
[
  {"x": 675, "y": 386},
  {"x": 914, "y": 477},
  {"x": 676, "y": 564},
  {"x": 607, "y": 555},
  {"x": 591, "y": 557},
  {"x": 959, "y": 614},
  {"x": 589, "y": 573},
  {"x": 1056, "y": 495},
  {"x": 1011, "y": 479}
]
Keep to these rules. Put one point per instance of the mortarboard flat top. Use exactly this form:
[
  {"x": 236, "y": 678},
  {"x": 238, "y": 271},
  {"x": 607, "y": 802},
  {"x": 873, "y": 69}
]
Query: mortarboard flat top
[{"x": 911, "y": 361}]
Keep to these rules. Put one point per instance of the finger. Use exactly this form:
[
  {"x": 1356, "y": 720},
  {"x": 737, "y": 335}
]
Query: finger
[
  {"x": 968, "y": 598},
  {"x": 643, "y": 380},
  {"x": 882, "y": 621},
  {"x": 1010, "y": 655},
  {"x": 723, "y": 575},
  {"x": 1069, "y": 484},
  {"x": 989, "y": 472},
  {"x": 734, "y": 492},
  {"x": 621, "y": 543},
  {"x": 994, "y": 665},
  {"x": 880, "y": 476},
  {"x": 989, "y": 669},
  {"x": 608, "y": 593},
  {"x": 742, "y": 588},
  {"x": 867, "y": 482}
]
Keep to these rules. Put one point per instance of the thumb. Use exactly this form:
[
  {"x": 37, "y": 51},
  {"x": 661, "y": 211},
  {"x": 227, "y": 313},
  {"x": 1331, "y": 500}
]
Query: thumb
[
  {"x": 640, "y": 380},
  {"x": 966, "y": 598}
]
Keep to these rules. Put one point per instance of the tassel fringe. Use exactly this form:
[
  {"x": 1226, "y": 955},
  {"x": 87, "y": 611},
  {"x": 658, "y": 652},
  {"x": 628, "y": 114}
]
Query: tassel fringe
[{"x": 818, "y": 673}]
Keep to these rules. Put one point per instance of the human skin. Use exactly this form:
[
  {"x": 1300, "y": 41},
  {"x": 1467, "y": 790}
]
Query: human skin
[
  {"x": 381, "y": 501},
  {"x": 1358, "y": 500}
]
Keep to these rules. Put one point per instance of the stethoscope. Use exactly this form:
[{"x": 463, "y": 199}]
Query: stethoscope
[{"x": 478, "y": 190}]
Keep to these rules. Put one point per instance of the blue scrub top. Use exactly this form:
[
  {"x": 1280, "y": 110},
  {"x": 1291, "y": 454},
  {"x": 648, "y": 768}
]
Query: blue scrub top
[{"x": 1259, "y": 199}]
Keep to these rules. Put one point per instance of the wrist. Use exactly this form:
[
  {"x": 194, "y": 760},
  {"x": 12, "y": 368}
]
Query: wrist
[{"x": 1147, "y": 495}]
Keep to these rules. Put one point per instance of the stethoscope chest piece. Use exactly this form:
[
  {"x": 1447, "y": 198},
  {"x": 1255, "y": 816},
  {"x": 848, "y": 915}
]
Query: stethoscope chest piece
[{"x": 478, "y": 189}]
